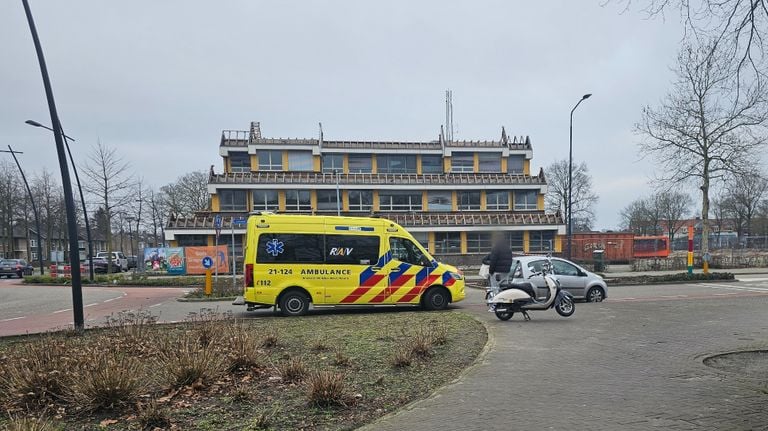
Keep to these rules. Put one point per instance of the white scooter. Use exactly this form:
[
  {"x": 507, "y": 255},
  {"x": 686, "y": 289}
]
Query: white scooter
[{"x": 521, "y": 297}]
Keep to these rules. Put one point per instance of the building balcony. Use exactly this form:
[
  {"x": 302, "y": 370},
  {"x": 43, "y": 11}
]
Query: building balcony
[{"x": 377, "y": 181}]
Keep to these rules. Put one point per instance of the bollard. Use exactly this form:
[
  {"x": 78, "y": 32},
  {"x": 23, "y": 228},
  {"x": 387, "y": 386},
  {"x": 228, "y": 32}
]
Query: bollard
[{"x": 208, "y": 282}]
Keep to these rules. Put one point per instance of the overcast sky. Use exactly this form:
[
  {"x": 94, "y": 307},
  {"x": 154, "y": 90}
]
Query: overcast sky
[{"x": 159, "y": 80}]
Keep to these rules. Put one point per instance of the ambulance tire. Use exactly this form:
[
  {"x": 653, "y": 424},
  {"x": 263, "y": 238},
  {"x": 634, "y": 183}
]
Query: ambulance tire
[
  {"x": 436, "y": 298},
  {"x": 294, "y": 302}
]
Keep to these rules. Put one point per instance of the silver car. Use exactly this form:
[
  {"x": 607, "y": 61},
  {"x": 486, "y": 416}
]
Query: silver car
[{"x": 579, "y": 282}]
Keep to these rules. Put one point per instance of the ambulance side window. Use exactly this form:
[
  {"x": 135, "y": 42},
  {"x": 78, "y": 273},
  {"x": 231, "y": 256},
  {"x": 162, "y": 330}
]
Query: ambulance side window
[
  {"x": 406, "y": 251},
  {"x": 352, "y": 249},
  {"x": 290, "y": 248}
]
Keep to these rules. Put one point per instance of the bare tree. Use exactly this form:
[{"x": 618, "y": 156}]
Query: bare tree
[
  {"x": 673, "y": 207},
  {"x": 109, "y": 183},
  {"x": 584, "y": 198},
  {"x": 742, "y": 25},
  {"x": 706, "y": 128},
  {"x": 746, "y": 193},
  {"x": 189, "y": 193},
  {"x": 157, "y": 213}
]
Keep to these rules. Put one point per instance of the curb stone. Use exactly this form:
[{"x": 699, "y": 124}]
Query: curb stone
[{"x": 226, "y": 298}]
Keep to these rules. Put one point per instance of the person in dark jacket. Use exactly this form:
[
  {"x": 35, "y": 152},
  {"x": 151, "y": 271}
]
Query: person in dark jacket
[{"x": 499, "y": 261}]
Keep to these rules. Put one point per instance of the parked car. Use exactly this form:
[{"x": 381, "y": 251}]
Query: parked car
[
  {"x": 15, "y": 267},
  {"x": 131, "y": 262},
  {"x": 577, "y": 281},
  {"x": 100, "y": 265},
  {"x": 117, "y": 256}
]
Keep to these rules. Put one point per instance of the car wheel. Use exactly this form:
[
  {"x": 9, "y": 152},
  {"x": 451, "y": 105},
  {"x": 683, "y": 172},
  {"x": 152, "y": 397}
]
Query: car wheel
[
  {"x": 595, "y": 294},
  {"x": 436, "y": 299},
  {"x": 294, "y": 303}
]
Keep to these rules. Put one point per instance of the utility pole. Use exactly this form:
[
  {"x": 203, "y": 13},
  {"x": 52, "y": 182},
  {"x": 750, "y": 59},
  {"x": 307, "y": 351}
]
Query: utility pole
[
  {"x": 69, "y": 202},
  {"x": 34, "y": 207}
]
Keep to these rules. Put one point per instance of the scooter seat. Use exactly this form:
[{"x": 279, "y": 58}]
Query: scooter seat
[{"x": 525, "y": 287}]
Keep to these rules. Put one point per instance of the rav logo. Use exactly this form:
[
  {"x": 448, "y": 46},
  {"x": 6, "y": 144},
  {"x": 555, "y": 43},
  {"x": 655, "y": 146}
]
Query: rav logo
[{"x": 340, "y": 251}]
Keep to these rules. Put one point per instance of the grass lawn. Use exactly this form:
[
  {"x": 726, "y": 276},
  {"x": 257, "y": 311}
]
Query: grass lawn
[{"x": 324, "y": 372}]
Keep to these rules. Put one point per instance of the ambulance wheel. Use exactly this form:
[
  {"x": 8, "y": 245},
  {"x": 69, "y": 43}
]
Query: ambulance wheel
[
  {"x": 294, "y": 303},
  {"x": 436, "y": 298}
]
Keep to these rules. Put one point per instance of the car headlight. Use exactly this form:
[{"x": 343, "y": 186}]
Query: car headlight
[{"x": 456, "y": 276}]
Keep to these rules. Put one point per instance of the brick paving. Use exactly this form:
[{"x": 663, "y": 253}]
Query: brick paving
[{"x": 612, "y": 366}]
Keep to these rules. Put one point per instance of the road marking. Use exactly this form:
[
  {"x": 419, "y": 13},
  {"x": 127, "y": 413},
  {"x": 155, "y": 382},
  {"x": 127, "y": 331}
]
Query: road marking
[
  {"x": 156, "y": 305},
  {"x": 747, "y": 280},
  {"x": 91, "y": 305},
  {"x": 673, "y": 296},
  {"x": 61, "y": 311},
  {"x": 739, "y": 288},
  {"x": 726, "y": 294},
  {"x": 110, "y": 300},
  {"x": 12, "y": 318}
]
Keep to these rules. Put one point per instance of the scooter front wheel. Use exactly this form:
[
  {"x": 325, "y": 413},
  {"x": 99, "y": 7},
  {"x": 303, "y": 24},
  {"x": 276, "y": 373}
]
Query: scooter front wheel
[
  {"x": 504, "y": 315},
  {"x": 565, "y": 307}
]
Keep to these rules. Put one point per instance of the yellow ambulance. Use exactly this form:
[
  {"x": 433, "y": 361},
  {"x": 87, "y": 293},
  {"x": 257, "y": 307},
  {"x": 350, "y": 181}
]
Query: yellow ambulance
[{"x": 294, "y": 260}]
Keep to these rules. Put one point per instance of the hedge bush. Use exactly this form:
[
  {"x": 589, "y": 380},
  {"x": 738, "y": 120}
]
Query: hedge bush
[
  {"x": 671, "y": 278},
  {"x": 116, "y": 279}
]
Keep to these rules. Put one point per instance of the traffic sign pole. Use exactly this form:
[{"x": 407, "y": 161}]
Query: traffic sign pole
[{"x": 207, "y": 263}]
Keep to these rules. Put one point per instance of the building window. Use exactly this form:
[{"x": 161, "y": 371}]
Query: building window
[
  {"x": 515, "y": 164},
  {"x": 526, "y": 200},
  {"x": 541, "y": 241},
  {"x": 333, "y": 162},
  {"x": 515, "y": 240},
  {"x": 400, "y": 201},
  {"x": 478, "y": 242},
  {"x": 298, "y": 200},
  {"x": 497, "y": 200},
  {"x": 33, "y": 243},
  {"x": 326, "y": 200},
  {"x": 396, "y": 164},
  {"x": 265, "y": 200},
  {"x": 192, "y": 240},
  {"x": 422, "y": 238},
  {"x": 270, "y": 160},
  {"x": 233, "y": 200},
  {"x": 439, "y": 201},
  {"x": 360, "y": 164},
  {"x": 34, "y": 256},
  {"x": 360, "y": 200},
  {"x": 239, "y": 161},
  {"x": 448, "y": 242},
  {"x": 469, "y": 200},
  {"x": 227, "y": 240},
  {"x": 489, "y": 162},
  {"x": 431, "y": 164},
  {"x": 462, "y": 162},
  {"x": 300, "y": 161}
]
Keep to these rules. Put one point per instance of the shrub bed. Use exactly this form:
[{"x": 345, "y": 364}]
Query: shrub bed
[
  {"x": 225, "y": 282},
  {"x": 215, "y": 372},
  {"x": 680, "y": 277}
]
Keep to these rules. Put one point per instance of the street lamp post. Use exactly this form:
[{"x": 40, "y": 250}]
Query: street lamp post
[
  {"x": 34, "y": 208},
  {"x": 69, "y": 202},
  {"x": 82, "y": 199},
  {"x": 570, "y": 177}
]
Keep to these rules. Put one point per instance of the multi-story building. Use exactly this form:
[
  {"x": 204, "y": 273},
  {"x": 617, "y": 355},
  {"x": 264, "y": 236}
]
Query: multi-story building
[{"x": 451, "y": 195}]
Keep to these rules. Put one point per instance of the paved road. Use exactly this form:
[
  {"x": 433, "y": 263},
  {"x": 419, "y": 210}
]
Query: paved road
[{"x": 631, "y": 363}]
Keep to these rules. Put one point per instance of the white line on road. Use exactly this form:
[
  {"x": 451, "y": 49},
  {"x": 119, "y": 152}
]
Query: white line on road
[
  {"x": 61, "y": 311},
  {"x": 156, "y": 305},
  {"x": 12, "y": 318},
  {"x": 741, "y": 288},
  {"x": 91, "y": 305},
  {"x": 673, "y": 296}
]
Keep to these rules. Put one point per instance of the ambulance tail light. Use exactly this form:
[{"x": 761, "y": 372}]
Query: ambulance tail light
[{"x": 249, "y": 275}]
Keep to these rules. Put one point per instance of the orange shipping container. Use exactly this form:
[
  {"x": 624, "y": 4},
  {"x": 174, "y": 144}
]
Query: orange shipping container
[{"x": 618, "y": 246}]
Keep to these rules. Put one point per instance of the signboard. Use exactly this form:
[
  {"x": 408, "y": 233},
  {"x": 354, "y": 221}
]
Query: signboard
[
  {"x": 194, "y": 259},
  {"x": 207, "y": 262},
  {"x": 217, "y": 224},
  {"x": 170, "y": 260},
  {"x": 239, "y": 221}
]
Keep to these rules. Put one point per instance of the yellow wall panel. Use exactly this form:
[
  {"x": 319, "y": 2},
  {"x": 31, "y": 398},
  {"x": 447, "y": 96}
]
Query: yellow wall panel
[
  {"x": 418, "y": 164},
  {"x": 526, "y": 241},
  {"x": 254, "y": 162},
  {"x": 483, "y": 200},
  {"x": 215, "y": 205},
  {"x": 431, "y": 247},
  {"x": 558, "y": 243},
  {"x": 540, "y": 203},
  {"x": 463, "y": 242},
  {"x": 454, "y": 201},
  {"x": 527, "y": 167},
  {"x": 317, "y": 163},
  {"x": 345, "y": 164},
  {"x": 503, "y": 164},
  {"x": 424, "y": 201},
  {"x": 375, "y": 200},
  {"x": 285, "y": 160},
  {"x": 374, "y": 166},
  {"x": 345, "y": 200},
  {"x": 446, "y": 164},
  {"x": 476, "y": 167},
  {"x": 281, "y": 200}
]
